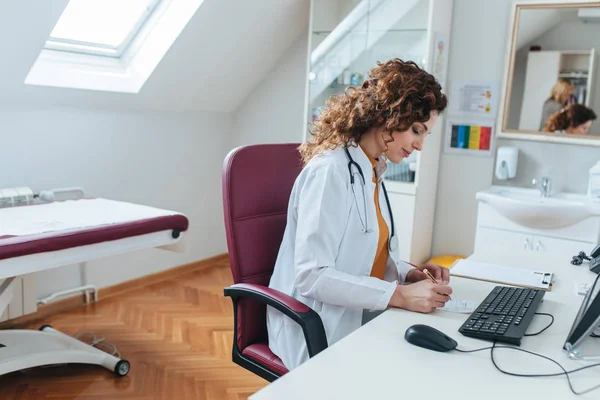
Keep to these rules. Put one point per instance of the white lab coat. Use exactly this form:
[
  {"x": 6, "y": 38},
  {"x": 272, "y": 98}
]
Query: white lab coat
[{"x": 325, "y": 258}]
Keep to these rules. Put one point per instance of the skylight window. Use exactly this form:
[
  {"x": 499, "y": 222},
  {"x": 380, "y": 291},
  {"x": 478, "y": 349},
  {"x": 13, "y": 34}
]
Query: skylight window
[
  {"x": 110, "y": 45},
  {"x": 100, "y": 27}
]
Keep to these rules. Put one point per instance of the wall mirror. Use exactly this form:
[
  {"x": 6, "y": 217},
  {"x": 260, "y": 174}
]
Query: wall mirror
[{"x": 551, "y": 88}]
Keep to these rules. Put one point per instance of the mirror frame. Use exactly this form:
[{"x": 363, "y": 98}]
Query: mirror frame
[{"x": 509, "y": 59}]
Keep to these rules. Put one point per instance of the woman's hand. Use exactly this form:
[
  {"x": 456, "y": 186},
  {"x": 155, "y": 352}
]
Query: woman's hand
[
  {"x": 423, "y": 296},
  {"x": 441, "y": 274}
]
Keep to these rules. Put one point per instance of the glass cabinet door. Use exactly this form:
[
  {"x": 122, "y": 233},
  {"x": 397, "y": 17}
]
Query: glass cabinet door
[{"x": 348, "y": 37}]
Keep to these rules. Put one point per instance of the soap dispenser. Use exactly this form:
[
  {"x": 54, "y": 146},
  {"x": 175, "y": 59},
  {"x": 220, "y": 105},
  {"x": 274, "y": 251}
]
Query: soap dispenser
[
  {"x": 506, "y": 162},
  {"x": 594, "y": 183}
]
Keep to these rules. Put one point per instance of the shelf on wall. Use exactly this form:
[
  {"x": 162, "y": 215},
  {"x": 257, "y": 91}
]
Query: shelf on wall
[
  {"x": 574, "y": 75},
  {"x": 374, "y": 30}
]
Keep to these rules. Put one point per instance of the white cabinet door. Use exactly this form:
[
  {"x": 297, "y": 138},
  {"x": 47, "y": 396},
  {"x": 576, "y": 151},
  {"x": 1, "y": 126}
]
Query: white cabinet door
[
  {"x": 543, "y": 68},
  {"x": 495, "y": 241},
  {"x": 550, "y": 250},
  {"x": 562, "y": 249}
]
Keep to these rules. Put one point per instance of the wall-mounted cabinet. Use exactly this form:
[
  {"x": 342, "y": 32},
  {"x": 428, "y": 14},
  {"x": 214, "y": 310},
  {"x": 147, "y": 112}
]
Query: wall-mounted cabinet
[{"x": 347, "y": 38}]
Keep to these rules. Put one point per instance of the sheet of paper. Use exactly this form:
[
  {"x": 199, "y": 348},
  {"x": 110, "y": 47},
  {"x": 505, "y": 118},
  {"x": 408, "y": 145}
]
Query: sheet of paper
[
  {"x": 502, "y": 274},
  {"x": 475, "y": 98},
  {"x": 459, "y": 306}
]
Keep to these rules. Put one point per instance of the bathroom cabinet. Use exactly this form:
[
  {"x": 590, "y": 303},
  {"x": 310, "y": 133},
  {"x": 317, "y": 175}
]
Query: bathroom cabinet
[{"x": 497, "y": 234}]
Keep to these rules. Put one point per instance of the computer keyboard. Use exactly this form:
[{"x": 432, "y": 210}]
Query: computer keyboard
[{"x": 504, "y": 315}]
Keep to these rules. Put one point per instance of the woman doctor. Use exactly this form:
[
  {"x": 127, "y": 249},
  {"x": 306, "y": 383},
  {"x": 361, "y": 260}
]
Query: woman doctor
[{"x": 339, "y": 253}]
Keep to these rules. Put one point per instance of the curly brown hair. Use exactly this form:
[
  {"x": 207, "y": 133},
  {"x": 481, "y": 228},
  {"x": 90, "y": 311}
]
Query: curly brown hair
[
  {"x": 398, "y": 94},
  {"x": 571, "y": 116}
]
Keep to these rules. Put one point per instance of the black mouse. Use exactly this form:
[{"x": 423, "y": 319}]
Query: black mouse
[{"x": 429, "y": 338}]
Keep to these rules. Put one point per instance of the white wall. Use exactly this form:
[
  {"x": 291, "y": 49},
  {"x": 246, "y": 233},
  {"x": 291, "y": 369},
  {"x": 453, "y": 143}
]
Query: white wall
[
  {"x": 166, "y": 160},
  {"x": 566, "y": 164},
  {"x": 113, "y": 148},
  {"x": 478, "y": 39},
  {"x": 273, "y": 111},
  {"x": 226, "y": 48}
]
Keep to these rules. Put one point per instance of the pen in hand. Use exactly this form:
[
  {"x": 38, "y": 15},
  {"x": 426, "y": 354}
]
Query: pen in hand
[{"x": 432, "y": 279}]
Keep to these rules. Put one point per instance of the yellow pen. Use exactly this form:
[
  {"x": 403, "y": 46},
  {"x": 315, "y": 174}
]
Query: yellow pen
[{"x": 432, "y": 279}]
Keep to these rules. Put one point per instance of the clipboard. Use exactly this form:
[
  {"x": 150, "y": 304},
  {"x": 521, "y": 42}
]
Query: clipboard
[{"x": 502, "y": 274}]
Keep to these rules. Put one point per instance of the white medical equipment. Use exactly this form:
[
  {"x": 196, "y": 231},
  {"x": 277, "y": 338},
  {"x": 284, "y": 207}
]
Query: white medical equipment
[
  {"x": 23, "y": 195},
  {"x": 49, "y": 235}
]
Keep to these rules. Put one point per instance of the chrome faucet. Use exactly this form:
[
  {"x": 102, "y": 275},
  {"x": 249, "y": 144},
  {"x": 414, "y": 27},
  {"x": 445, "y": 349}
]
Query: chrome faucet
[{"x": 545, "y": 186}]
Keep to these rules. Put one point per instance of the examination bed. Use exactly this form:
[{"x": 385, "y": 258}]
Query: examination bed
[{"x": 49, "y": 235}]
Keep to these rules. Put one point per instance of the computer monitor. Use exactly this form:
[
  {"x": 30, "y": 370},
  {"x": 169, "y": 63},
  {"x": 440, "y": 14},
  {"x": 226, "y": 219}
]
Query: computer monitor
[{"x": 586, "y": 321}]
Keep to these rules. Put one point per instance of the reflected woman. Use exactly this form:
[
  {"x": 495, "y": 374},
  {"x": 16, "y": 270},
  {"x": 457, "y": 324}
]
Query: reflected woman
[
  {"x": 574, "y": 119},
  {"x": 559, "y": 96}
]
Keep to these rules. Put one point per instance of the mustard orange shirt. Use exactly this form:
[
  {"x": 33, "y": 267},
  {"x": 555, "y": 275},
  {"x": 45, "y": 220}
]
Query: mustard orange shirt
[{"x": 381, "y": 256}]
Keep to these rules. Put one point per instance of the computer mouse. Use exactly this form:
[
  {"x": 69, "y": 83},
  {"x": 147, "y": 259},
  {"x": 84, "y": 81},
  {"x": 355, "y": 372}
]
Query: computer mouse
[{"x": 429, "y": 338}]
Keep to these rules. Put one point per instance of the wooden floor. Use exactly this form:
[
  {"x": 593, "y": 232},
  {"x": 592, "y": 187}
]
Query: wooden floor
[{"x": 177, "y": 335}]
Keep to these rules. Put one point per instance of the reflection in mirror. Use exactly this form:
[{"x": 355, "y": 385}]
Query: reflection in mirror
[
  {"x": 348, "y": 38},
  {"x": 553, "y": 84}
]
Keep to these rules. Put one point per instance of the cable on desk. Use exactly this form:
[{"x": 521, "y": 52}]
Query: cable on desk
[
  {"x": 548, "y": 326},
  {"x": 565, "y": 372},
  {"x": 578, "y": 259}
]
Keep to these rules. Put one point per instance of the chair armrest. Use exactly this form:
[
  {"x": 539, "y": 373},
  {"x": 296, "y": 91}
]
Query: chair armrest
[{"x": 307, "y": 318}]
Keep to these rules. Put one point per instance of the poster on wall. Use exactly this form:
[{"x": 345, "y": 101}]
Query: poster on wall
[
  {"x": 475, "y": 98},
  {"x": 440, "y": 58},
  {"x": 469, "y": 137}
]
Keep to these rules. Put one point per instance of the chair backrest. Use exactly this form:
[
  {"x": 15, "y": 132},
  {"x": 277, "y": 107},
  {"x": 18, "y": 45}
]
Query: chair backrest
[{"x": 257, "y": 182}]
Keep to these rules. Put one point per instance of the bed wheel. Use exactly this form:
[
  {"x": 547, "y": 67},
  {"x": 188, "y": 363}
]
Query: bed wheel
[
  {"x": 122, "y": 368},
  {"x": 44, "y": 327}
]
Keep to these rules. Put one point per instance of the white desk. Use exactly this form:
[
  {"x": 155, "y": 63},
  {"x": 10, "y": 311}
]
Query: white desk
[{"x": 375, "y": 362}]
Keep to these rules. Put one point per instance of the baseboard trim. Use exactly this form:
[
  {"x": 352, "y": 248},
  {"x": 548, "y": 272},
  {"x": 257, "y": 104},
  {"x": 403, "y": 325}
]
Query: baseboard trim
[{"x": 46, "y": 310}]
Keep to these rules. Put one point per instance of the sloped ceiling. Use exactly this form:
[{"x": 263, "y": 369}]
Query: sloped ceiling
[
  {"x": 534, "y": 23},
  {"x": 227, "y": 48}
]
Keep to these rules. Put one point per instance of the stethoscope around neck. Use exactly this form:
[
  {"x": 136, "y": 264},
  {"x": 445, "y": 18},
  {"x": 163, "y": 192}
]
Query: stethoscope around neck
[{"x": 364, "y": 222}]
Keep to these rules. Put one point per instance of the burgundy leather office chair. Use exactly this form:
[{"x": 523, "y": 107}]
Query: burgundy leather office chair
[{"x": 257, "y": 182}]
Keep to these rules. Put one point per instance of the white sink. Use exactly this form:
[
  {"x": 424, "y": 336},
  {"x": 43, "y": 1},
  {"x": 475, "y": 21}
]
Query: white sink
[{"x": 528, "y": 208}]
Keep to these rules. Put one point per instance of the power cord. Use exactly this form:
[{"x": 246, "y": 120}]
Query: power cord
[
  {"x": 565, "y": 372},
  {"x": 578, "y": 259},
  {"x": 549, "y": 325},
  {"x": 99, "y": 343}
]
